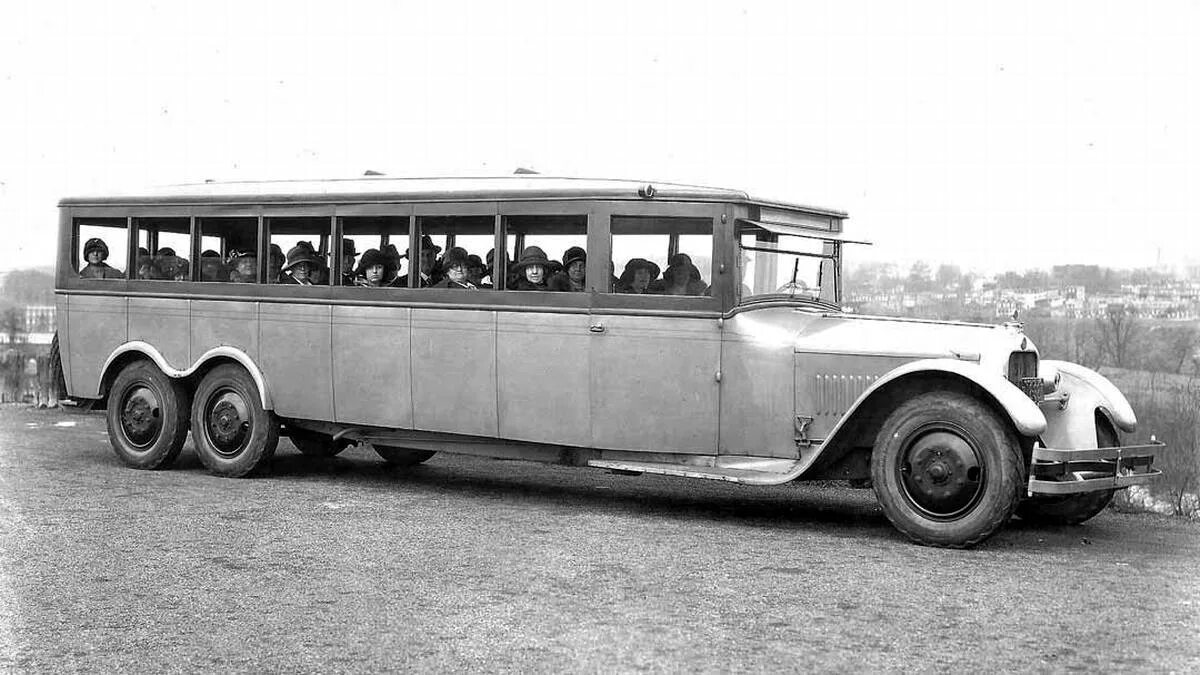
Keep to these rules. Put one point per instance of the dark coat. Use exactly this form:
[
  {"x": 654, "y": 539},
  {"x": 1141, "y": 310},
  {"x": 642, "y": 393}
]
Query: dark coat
[
  {"x": 402, "y": 282},
  {"x": 286, "y": 278},
  {"x": 100, "y": 270},
  {"x": 562, "y": 283},
  {"x": 447, "y": 283},
  {"x": 523, "y": 284}
]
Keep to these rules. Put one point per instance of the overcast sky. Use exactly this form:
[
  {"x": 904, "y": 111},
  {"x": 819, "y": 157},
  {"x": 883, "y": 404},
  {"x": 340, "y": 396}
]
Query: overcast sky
[{"x": 998, "y": 135}]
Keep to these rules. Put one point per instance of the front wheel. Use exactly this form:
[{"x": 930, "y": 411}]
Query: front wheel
[
  {"x": 402, "y": 456},
  {"x": 233, "y": 433},
  {"x": 147, "y": 416},
  {"x": 1072, "y": 509},
  {"x": 946, "y": 470}
]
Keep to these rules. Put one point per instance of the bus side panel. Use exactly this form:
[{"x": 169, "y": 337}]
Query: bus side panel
[
  {"x": 654, "y": 384},
  {"x": 297, "y": 358},
  {"x": 371, "y": 367},
  {"x": 97, "y": 325},
  {"x": 454, "y": 371},
  {"x": 542, "y": 368},
  {"x": 164, "y": 323},
  {"x": 218, "y": 323},
  {"x": 758, "y": 396},
  {"x": 62, "y": 313}
]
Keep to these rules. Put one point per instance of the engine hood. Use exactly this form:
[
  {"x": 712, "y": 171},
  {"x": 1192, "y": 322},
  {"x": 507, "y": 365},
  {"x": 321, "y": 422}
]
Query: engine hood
[{"x": 806, "y": 330}]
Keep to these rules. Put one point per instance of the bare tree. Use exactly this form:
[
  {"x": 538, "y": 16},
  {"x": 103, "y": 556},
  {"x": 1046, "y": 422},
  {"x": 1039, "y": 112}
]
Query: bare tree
[
  {"x": 1117, "y": 330},
  {"x": 1181, "y": 343}
]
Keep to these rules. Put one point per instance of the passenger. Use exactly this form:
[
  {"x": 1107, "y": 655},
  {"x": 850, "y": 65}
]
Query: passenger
[
  {"x": 680, "y": 278},
  {"x": 173, "y": 267},
  {"x": 95, "y": 252},
  {"x": 318, "y": 275},
  {"x": 147, "y": 268},
  {"x": 391, "y": 264},
  {"x": 425, "y": 268},
  {"x": 165, "y": 250},
  {"x": 244, "y": 267},
  {"x": 439, "y": 269},
  {"x": 301, "y": 263},
  {"x": 573, "y": 278},
  {"x": 530, "y": 270},
  {"x": 639, "y": 273},
  {"x": 349, "y": 274},
  {"x": 455, "y": 266},
  {"x": 476, "y": 270},
  {"x": 276, "y": 264},
  {"x": 371, "y": 269},
  {"x": 211, "y": 267},
  {"x": 490, "y": 276}
]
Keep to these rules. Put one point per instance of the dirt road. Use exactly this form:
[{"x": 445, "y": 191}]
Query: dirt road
[{"x": 345, "y": 565}]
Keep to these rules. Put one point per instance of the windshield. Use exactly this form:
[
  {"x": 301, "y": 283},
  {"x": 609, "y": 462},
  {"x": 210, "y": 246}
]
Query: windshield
[{"x": 778, "y": 265}]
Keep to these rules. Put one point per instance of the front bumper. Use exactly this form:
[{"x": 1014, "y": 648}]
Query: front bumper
[{"x": 1054, "y": 471}]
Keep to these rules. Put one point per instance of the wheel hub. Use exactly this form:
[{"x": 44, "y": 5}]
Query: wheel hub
[
  {"x": 228, "y": 423},
  {"x": 941, "y": 472},
  {"x": 141, "y": 416}
]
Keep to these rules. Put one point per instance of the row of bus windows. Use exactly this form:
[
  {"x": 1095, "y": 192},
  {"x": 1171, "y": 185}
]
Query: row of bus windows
[{"x": 650, "y": 255}]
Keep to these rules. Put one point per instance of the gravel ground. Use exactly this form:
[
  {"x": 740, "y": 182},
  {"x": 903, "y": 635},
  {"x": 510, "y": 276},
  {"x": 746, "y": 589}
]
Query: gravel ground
[{"x": 473, "y": 564}]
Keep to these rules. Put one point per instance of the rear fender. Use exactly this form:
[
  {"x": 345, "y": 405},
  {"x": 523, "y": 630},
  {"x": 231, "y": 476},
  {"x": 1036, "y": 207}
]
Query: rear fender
[{"x": 226, "y": 352}]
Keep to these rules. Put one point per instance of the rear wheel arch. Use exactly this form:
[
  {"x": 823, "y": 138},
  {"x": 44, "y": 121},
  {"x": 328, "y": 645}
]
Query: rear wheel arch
[{"x": 136, "y": 350}]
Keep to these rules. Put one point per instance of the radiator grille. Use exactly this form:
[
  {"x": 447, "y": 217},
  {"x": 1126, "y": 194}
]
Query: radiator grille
[{"x": 1022, "y": 365}]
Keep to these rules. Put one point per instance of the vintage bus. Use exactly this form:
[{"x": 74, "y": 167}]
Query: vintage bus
[{"x": 620, "y": 325}]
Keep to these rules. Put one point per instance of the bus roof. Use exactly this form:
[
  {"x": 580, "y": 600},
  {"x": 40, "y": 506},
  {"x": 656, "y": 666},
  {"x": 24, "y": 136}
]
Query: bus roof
[{"x": 389, "y": 189}]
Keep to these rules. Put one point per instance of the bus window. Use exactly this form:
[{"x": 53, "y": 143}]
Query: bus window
[
  {"x": 102, "y": 245},
  {"x": 163, "y": 249},
  {"x": 548, "y": 244},
  {"x": 305, "y": 244},
  {"x": 444, "y": 237},
  {"x": 662, "y": 256},
  {"x": 386, "y": 235},
  {"x": 228, "y": 249}
]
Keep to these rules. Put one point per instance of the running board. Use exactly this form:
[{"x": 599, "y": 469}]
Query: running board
[{"x": 734, "y": 470}]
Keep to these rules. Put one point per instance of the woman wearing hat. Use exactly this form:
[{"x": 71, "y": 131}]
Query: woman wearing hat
[
  {"x": 680, "y": 278},
  {"x": 639, "y": 273},
  {"x": 371, "y": 269},
  {"x": 301, "y": 263},
  {"x": 573, "y": 278},
  {"x": 244, "y": 267},
  {"x": 429, "y": 252},
  {"x": 95, "y": 252},
  {"x": 349, "y": 273},
  {"x": 455, "y": 266},
  {"x": 530, "y": 270}
]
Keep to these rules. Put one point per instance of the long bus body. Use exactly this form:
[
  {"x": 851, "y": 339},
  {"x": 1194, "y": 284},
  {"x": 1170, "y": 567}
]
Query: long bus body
[{"x": 691, "y": 331}]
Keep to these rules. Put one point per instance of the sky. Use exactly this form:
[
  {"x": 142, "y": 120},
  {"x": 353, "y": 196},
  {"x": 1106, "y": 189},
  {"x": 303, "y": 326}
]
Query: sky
[{"x": 991, "y": 135}]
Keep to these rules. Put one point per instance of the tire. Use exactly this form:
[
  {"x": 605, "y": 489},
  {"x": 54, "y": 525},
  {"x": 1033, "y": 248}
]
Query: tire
[
  {"x": 402, "y": 456},
  {"x": 946, "y": 470},
  {"x": 316, "y": 444},
  {"x": 147, "y": 416},
  {"x": 1072, "y": 509},
  {"x": 234, "y": 435}
]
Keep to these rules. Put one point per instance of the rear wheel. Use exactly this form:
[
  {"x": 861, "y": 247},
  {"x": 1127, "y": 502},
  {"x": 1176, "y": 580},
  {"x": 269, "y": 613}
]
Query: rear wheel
[
  {"x": 402, "y": 456},
  {"x": 1077, "y": 508},
  {"x": 946, "y": 470},
  {"x": 233, "y": 433},
  {"x": 315, "y": 443},
  {"x": 147, "y": 416}
]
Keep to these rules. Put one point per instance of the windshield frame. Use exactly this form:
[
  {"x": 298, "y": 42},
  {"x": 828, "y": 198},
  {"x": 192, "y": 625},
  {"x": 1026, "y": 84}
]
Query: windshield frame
[{"x": 828, "y": 295}]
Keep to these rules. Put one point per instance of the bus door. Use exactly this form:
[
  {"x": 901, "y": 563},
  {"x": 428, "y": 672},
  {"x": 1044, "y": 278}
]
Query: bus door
[{"x": 654, "y": 357}]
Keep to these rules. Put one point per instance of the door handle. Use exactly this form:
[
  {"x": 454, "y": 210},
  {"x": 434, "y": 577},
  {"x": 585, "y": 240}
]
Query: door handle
[{"x": 596, "y": 328}]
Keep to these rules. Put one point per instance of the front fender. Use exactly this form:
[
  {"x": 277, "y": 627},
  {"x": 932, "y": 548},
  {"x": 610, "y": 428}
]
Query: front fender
[
  {"x": 1023, "y": 412},
  {"x": 1074, "y": 425}
]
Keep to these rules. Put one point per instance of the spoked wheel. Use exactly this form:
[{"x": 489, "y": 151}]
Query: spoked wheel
[
  {"x": 315, "y": 443},
  {"x": 233, "y": 433},
  {"x": 402, "y": 456},
  {"x": 946, "y": 470},
  {"x": 147, "y": 416},
  {"x": 1072, "y": 509}
]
